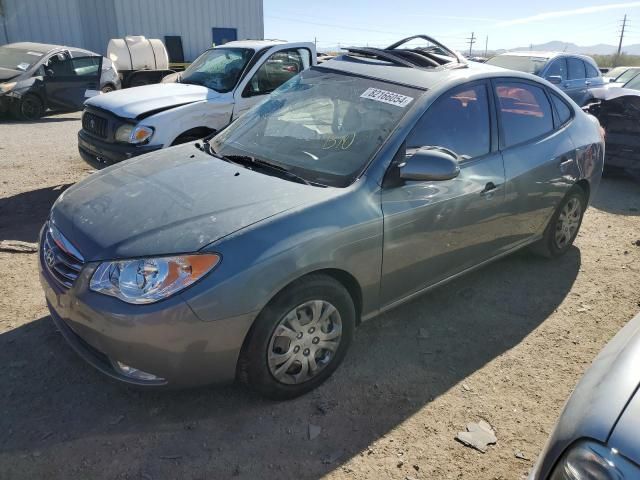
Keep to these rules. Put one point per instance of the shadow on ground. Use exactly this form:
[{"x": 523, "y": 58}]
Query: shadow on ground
[
  {"x": 618, "y": 194},
  {"x": 22, "y": 215},
  {"x": 60, "y": 419},
  {"x": 50, "y": 117}
]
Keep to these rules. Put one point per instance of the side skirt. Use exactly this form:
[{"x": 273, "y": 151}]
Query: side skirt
[{"x": 428, "y": 288}]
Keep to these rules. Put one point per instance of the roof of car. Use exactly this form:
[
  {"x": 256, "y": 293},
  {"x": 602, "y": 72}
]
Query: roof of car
[
  {"x": 36, "y": 47},
  {"x": 543, "y": 54},
  {"x": 423, "y": 78},
  {"x": 252, "y": 43}
]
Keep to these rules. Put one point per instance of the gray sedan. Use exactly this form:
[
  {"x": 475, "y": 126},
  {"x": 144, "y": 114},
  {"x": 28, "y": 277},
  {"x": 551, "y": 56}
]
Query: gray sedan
[
  {"x": 596, "y": 436},
  {"x": 353, "y": 188}
]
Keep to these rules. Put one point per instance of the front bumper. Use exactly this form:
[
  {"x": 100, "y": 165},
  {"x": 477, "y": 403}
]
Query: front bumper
[
  {"x": 165, "y": 339},
  {"x": 100, "y": 154}
]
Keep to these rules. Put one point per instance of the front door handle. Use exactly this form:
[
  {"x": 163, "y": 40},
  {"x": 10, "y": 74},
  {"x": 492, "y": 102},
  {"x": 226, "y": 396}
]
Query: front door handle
[{"x": 489, "y": 187}]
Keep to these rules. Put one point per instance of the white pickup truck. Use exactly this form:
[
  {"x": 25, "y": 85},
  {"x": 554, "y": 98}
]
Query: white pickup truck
[{"x": 218, "y": 86}]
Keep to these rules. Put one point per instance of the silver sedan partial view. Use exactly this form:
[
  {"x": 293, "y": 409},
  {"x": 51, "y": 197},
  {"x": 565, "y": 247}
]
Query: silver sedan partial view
[
  {"x": 354, "y": 187},
  {"x": 596, "y": 436}
]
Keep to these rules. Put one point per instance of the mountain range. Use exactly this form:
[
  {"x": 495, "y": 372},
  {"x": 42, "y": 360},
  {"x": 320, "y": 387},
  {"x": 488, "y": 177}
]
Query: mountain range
[{"x": 599, "y": 49}]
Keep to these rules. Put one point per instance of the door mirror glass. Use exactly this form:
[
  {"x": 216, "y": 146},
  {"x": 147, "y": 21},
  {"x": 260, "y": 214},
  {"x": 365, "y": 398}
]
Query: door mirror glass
[
  {"x": 430, "y": 164},
  {"x": 555, "y": 79}
]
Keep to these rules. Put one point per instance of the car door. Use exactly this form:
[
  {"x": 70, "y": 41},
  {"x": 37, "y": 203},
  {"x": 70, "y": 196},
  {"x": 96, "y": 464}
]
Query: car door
[
  {"x": 281, "y": 65},
  {"x": 576, "y": 85},
  {"x": 67, "y": 83},
  {"x": 433, "y": 230},
  {"x": 538, "y": 154}
]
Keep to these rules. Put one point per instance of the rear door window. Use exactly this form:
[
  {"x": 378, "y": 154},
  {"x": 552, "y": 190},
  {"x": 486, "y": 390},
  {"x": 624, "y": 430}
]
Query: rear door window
[
  {"x": 525, "y": 112},
  {"x": 576, "y": 69},
  {"x": 459, "y": 120},
  {"x": 592, "y": 72},
  {"x": 562, "y": 109}
]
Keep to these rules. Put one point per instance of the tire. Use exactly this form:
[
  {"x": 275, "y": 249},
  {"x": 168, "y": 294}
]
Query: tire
[
  {"x": 107, "y": 89},
  {"x": 275, "y": 353},
  {"x": 560, "y": 233},
  {"x": 30, "y": 107}
]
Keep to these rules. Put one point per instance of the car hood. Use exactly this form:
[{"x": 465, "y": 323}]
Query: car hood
[
  {"x": 136, "y": 101},
  {"x": 172, "y": 201},
  {"x": 7, "y": 74},
  {"x": 600, "y": 398},
  {"x": 612, "y": 91}
]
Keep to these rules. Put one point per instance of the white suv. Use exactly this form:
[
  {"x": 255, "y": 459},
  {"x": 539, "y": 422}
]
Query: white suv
[{"x": 214, "y": 90}]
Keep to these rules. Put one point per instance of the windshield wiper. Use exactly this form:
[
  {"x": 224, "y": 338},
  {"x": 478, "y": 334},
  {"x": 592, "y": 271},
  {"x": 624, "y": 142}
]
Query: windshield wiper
[{"x": 253, "y": 161}]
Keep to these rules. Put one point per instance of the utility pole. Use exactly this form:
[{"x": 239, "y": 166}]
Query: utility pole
[
  {"x": 471, "y": 40},
  {"x": 315, "y": 42},
  {"x": 486, "y": 46},
  {"x": 624, "y": 25}
]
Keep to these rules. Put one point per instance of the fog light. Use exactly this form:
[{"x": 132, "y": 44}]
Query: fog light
[{"x": 132, "y": 372}]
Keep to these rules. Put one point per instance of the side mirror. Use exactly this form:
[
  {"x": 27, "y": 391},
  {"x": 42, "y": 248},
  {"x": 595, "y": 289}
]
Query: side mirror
[
  {"x": 432, "y": 164},
  {"x": 555, "y": 79},
  {"x": 49, "y": 73}
]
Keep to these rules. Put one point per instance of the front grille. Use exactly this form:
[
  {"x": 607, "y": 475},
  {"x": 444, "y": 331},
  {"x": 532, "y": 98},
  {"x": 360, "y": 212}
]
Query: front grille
[
  {"x": 61, "y": 259},
  {"x": 94, "y": 124}
]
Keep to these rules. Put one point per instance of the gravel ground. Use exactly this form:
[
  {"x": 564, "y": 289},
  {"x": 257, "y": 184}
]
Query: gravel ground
[{"x": 505, "y": 344}]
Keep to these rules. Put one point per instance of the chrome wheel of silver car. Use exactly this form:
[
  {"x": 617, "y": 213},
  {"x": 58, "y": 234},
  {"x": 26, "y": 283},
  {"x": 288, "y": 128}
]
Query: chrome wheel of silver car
[
  {"x": 568, "y": 222},
  {"x": 304, "y": 342}
]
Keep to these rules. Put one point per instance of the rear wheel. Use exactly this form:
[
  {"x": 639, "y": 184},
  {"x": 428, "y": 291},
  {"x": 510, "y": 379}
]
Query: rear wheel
[
  {"x": 564, "y": 225},
  {"x": 299, "y": 339},
  {"x": 30, "y": 107}
]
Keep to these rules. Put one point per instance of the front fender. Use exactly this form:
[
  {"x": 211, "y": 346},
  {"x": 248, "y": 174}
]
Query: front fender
[
  {"x": 171, "y": 123},
  {"x": 260, "y": 260}
]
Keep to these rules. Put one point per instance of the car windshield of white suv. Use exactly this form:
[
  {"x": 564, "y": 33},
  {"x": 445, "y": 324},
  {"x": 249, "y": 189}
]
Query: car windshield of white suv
[
  {"x": 18, "y": 58},
  {"x": 519, "y": 62},
  {"x": 218, "y": 69},
  {"x": 321, "y": 125}
]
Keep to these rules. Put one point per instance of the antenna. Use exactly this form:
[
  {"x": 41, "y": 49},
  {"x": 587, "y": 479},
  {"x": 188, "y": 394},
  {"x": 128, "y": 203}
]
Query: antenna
[
  {"x": 471, "y": 40},
  {"x": 486, "y": 46}
]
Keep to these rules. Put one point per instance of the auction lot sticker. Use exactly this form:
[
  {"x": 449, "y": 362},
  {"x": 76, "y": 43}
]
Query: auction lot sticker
[{"x": 385, "y": 96}]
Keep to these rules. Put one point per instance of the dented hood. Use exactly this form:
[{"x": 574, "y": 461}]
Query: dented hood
[
  {"x": 612, "y": 91},
  {"x": 175, "y": 200},
  {"x": 137, "y": 101}
]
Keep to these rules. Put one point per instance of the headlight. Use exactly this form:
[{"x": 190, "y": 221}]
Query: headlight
[
  {"x": 133, "y": 133},
  {"x": 588, "y": 460},
  {"x": 7, "y": 87},
  {"x": 147, "y": 280}
]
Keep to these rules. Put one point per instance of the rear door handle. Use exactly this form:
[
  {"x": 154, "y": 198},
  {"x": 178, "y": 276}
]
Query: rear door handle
[{"x": 489, "y": 187}]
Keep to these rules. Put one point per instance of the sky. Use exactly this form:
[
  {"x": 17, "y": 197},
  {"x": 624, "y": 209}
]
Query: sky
[{"x": 507, "y": 24}]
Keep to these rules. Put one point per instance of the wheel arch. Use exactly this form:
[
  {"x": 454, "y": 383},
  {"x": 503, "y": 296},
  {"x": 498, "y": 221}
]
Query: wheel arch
[
  {"x": 193, "y": 132},
  {"x": 344, "y": 278},
  {"x": 585, "y": 187}
]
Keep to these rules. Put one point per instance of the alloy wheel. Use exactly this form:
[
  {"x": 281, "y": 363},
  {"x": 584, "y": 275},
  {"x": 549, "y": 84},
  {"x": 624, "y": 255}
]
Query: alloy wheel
[
  {"x": 304, "y": 342},
  {"x": 568, "y": 222}
]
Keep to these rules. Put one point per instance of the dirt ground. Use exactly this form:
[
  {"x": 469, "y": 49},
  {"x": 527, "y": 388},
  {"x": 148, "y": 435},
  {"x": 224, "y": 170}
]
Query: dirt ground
[{"x": 506, "y": 344}]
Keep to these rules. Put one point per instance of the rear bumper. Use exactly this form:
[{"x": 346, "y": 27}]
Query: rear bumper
[{"x": 100, "y": 154}]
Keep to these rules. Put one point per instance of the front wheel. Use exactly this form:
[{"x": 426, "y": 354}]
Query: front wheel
[
  {"x": 564, "y": 225},
  {"x": 29, "y": 107},
  {"x": 299, "y": 339}
]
